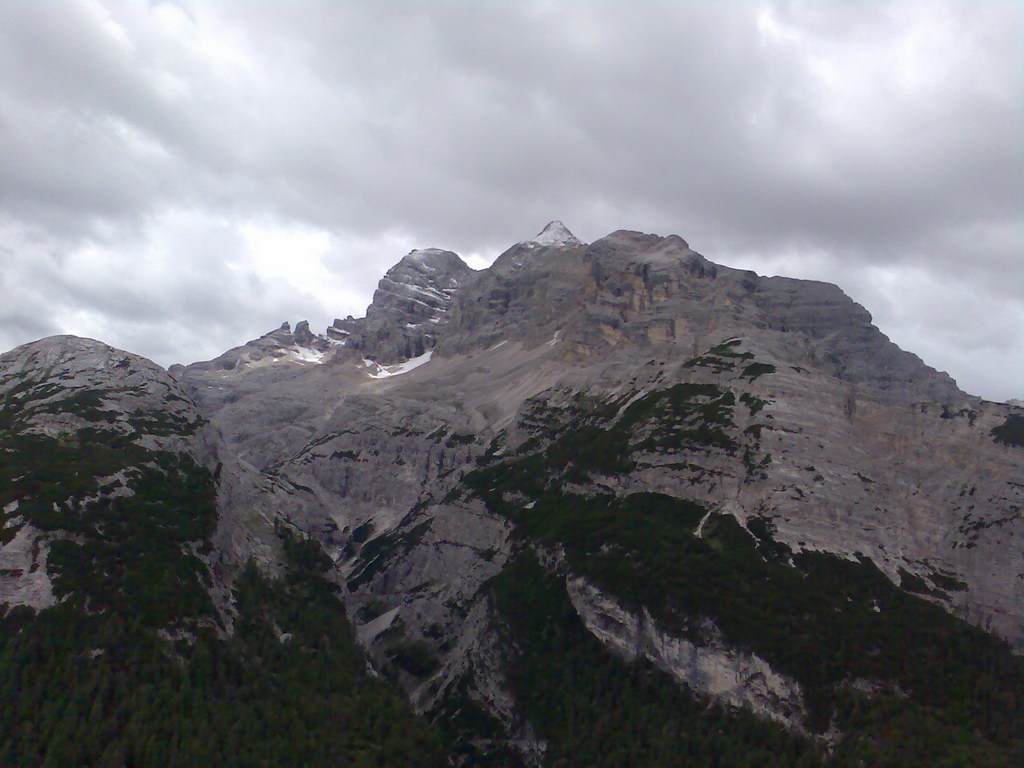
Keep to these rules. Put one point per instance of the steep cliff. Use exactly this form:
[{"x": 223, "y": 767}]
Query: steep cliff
[{"x": 409, "y": 305}]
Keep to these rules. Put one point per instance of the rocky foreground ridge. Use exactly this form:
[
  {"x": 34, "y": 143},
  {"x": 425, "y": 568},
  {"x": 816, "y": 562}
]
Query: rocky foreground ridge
[{"x": 734, "y": 483}]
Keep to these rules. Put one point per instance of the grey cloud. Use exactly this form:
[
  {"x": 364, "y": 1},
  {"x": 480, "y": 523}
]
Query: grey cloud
[{"x": 852, "y": 137}]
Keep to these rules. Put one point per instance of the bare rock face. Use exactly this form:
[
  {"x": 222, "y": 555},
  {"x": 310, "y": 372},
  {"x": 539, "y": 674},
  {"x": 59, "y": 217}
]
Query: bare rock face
[
  {"x": 62, "y": 384},
  {"x": 277, "y": 354},
  {"x": 711, "y": 666},
  {"x": 408, "y": 306},
  {"x": 527, "y": 295},
  {"x": 264, "y": 369},
  {"x": 846, "y": 344},
  {"x": 23, "y": 574}
]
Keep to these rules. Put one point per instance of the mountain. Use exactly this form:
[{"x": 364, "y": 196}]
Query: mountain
[
  {"x": 598, "y": 504},
  {"x": 137, "y": 628}
]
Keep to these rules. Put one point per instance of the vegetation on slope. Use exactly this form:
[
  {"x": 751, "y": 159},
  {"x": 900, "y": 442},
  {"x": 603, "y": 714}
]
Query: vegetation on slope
[
  {"x": 1011, "y": 431},
  {"x": 290, "y": 687},
  {"x": 126, "y": 522},
  {"x": 902, "y": 681},
  {"x": 862, "y": 649},
  {"x": 130, "y": 667}
]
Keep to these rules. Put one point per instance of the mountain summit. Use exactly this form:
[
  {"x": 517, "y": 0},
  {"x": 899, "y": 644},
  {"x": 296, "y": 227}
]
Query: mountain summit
[
  {"x": 598, "y": 504},
  {"x": 555, "y": 233},
  {"x": 410, "y": 302}
]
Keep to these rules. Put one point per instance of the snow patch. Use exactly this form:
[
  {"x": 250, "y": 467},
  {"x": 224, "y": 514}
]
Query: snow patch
[
  {"x": 307, "y": 355},
  {"x": 699, "y": 533},
  {"x": 384, "y": 372},
  {"x": 422, "y": 290},
  {"x": 554, "y": 339},
  {"x": 294, "y": 354}
]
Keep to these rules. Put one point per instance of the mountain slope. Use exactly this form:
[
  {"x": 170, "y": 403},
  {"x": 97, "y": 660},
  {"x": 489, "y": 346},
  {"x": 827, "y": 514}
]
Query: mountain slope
[{"x": 114, "y": 636}]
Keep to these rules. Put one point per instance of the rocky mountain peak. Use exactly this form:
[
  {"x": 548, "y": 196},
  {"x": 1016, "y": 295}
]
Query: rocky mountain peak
[
  {"x": 281, "y": 341},
  {"x": 76, "y": 361},
  {"x": 409, "y": 304},
  {"x": 303, "y": 336},
  {"x": 555, "y": 234},
  {"x": 535, "y": 252},
  {"x": 432, "y": 260}
]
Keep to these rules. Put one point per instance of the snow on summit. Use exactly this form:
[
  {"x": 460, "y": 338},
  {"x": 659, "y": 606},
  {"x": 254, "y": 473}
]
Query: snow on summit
[{"x": 555, "y": 234}]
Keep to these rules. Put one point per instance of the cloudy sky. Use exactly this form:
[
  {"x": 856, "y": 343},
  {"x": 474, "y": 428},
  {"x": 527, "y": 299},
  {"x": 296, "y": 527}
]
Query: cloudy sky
[{"x": 179, "y": 177}]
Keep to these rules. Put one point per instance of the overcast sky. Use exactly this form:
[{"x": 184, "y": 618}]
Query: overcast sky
[{"x": 179, "y": 177}]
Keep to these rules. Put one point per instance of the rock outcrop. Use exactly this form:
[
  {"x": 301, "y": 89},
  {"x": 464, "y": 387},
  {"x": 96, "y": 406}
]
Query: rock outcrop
[
  {"x": 710, "y": 666},
  {"x": 62, "y": 384},
  {"x": 408, "y": 307}
]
